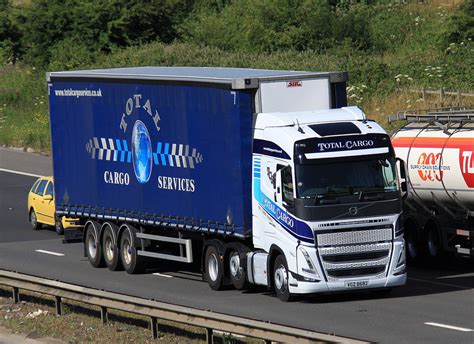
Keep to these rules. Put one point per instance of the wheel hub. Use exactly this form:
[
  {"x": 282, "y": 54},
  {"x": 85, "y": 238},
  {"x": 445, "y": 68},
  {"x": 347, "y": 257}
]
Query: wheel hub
[
  {"x": 235, "y": 265},
  {"x": 127, "y": 252},
  {"x": 91, "y": 246},
  {"x": 281, "y": 278},
  {"x": 212, "y": 267},
  {"x": 109, "y": 249}
]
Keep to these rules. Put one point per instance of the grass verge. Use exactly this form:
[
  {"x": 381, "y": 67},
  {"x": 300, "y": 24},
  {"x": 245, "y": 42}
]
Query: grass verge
[{"x": 80, "y": 323}]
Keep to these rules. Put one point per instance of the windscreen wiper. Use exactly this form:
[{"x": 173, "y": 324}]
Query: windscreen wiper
[
  {"x": 325, "y": 199},
  {"x": 369, "y": 195}
]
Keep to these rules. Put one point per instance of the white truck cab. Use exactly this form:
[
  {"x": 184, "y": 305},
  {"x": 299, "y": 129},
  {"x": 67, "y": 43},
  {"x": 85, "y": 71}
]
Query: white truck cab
[{"x": 326, "y": 195}]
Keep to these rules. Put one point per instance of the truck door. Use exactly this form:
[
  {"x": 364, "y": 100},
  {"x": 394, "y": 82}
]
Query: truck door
[{"x": 285, "y": 188}]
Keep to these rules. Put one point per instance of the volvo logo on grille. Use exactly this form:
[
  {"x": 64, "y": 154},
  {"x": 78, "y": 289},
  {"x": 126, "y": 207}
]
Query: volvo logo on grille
[{"x": 353, "y": 211}]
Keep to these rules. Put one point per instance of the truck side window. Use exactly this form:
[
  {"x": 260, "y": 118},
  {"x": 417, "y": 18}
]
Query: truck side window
[{"x": 287, "y": 187}]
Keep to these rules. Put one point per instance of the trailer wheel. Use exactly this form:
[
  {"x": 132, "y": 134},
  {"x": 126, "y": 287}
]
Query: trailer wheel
[
  {"x": 131, "y": 261},
  {"x": 214, "y": 268},
  {"x": 280, "y": 279},
  {"x": 111, "y": 250},
  {"x": 412, "y": 245},
  {"x": 93, "y": 247},
  {"x": 433, "y": 242},
  {"x": 34, "y": 220},
  {"x": 58, "y": 225},
  {"x": 237, "y": 272}
]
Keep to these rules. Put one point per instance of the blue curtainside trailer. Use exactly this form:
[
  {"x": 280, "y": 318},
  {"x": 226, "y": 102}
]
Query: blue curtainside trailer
[{"x": 169, "y": 152}]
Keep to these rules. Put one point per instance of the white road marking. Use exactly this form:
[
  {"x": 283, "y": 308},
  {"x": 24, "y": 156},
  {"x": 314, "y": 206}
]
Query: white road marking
[
  {"x": 161, "y": 275},
  {"x": 462, "y": 329},
  {"x": 51, "y": 253},
  {"x": 19, "y": 172},
  {"x": 471, "y": 274},
  {"x": 439, "y": 283}
]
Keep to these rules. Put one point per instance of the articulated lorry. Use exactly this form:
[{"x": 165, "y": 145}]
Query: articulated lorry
[
  {"x": 263, "y": 177},
  {"x": 438, "y": 150}
]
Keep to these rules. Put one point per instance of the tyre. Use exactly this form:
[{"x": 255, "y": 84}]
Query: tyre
[
  {"x": 131, "y": 261},
  {"x": 110, "y": 250},
  {"x": 58, "y": 225},
  {"x": 412, "y": 246},
  {"x": 34, "y": 220},
  {"x": 280, "y": 279},
  {"x": 237, "y": 271},
  {"x": 433, "y": 242},
  {"x": 93, "y": 248},
  {"x": 213, "y": 268}
]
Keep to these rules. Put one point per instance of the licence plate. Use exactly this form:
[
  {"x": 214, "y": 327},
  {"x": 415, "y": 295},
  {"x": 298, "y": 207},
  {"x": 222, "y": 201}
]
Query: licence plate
[{"x": 356, "y": 284}]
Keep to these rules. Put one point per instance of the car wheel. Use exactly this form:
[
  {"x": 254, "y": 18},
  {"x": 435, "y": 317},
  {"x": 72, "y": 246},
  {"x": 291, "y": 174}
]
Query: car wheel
[
  {"x": 34, "y": 220},
  {"x": 58, "y": 225}
]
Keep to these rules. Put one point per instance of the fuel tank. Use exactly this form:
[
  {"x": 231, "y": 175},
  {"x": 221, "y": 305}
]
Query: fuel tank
[{"x": 439, "y": 162}]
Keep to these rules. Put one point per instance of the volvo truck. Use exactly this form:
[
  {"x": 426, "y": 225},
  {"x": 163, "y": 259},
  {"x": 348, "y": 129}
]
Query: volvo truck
[
  {"x": 438, "y": 149},
  {"x": 263, "y": 177}
]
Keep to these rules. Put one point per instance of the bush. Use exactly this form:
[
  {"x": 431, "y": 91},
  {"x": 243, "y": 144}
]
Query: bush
[{"x": 97, "y": 26}]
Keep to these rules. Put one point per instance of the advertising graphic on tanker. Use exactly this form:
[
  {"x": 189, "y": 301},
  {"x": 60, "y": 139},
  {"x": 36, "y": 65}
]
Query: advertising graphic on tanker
[{"x": 439, "y": 160}]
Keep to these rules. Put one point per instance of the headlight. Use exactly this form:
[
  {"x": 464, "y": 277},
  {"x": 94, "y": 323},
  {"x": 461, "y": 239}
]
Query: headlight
[
  {"x": 311, "y": 269},
  {"x": 401, "y": 257},
  {"x": 398, "y": 228}
]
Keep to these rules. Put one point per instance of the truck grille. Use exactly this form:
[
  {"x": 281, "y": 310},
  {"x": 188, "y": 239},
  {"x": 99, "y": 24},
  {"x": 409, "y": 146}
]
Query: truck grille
[
  {"x": 355, "y": 252},
  {"x": 356, "y": 272},
  {"x": 355, "y": 237}
]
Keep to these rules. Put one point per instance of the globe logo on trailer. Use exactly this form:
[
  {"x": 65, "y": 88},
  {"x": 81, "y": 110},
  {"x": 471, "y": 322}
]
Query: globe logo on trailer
[{"x": 141, "y": 152}]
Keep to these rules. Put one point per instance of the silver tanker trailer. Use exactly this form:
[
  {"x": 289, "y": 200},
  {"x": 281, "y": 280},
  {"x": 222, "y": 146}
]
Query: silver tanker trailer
[{"x": 438, "y": 150}]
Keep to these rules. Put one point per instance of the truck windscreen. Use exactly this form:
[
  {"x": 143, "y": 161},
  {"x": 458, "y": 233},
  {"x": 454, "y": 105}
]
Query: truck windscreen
[{"x": 363, "y": 176}]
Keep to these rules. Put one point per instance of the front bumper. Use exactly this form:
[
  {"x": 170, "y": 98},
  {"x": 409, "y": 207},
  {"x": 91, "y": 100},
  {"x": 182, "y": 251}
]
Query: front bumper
[{"x": 319, "y": 282}]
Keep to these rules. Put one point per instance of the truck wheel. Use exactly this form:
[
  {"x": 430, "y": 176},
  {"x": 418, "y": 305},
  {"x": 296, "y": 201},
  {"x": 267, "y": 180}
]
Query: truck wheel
[
  {"x": 34, "y": 220},
  {"x": 111, "y": 251},
  {"x": 238, "y": 276},
  {"x": 280, "y": 279},
  {"x": 131, "y": 261},
  {"x": 58, "y": 225},
  {"x": 92, "y": 248},
  {"x": 214, "y": 269}
]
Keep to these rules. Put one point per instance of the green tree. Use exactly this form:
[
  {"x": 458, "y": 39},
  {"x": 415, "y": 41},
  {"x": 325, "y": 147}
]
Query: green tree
[
  {"x": 10, "y": 34},
  {"x": 100, "y": 26}
]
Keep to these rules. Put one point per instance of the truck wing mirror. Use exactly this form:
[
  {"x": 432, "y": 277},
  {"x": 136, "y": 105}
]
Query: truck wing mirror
[
  {"x": 401, "y": 165},
  {"x": 403, "y": 186}
]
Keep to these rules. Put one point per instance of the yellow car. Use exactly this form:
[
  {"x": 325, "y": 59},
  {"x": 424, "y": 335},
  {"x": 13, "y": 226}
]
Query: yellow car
[{"x": 41, "y": 207}]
